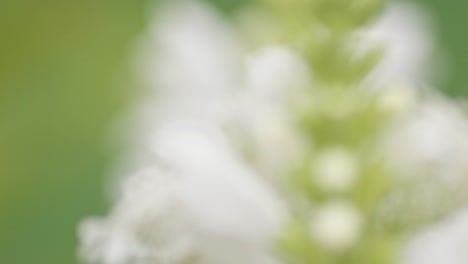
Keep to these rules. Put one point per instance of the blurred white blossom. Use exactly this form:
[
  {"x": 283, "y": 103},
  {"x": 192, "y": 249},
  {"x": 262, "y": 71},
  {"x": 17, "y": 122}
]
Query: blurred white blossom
[
  {"x": 197, "y": 202},
  {"x": 198, "y": 71},
  {"x": 445, "y": 242},
  {"x": 405, "y": 32},
  {"x": 431, "y": 139},
  {"x": 428, "y": 147}
]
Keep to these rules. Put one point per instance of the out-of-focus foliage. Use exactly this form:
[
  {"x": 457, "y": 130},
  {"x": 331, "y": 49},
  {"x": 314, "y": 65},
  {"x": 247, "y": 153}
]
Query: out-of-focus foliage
[
  {"x": 63, "y": 77},
  {"x": 228, "y": 6},
  {"x": 450, "y": 18}
]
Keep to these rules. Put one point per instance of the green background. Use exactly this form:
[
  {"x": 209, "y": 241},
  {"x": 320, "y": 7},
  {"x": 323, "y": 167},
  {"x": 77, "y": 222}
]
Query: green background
[{"x": 64, "y": 77}]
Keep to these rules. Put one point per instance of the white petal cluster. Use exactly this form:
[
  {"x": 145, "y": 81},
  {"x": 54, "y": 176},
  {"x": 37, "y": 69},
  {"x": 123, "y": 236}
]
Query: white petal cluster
[
  {"x": 431, "y": 140},
  {"x": 201, "y": 72},
  {"x": 443, "y": 243},
  {"x": 196, "y": 200},
  {"x": 404, "y": 32},
  {"x": 428, "y": 142},
  {"x": 428, "y": 148},
  {"x": 274, "y": 74}
]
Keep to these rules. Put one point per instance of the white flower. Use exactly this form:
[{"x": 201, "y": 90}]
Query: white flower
[
  {"x": 335, "y": 169},
  {"x": 197, "y": 202},
  {"x": 336, "y": 225},
  {"x": 146, "y": 224},
  {"x": 431, "y": 140},
  {"x": 445, "y": 242},
  {"x": 192, "y": 52},
  {"x": 274, "y": 74},
  {"x": 100, "y": 242},
  {"x": 192, "y": 63},
  {"x": 428, "y": 148},
  {"x": 203, "y": 74},
  {"x": 404, "y": 32}
]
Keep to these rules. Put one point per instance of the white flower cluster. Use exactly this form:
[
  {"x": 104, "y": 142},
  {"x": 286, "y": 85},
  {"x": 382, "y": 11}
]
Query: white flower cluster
[
  {"x": 197, "y": 200},
  {"x": 215, "y": 133}
]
